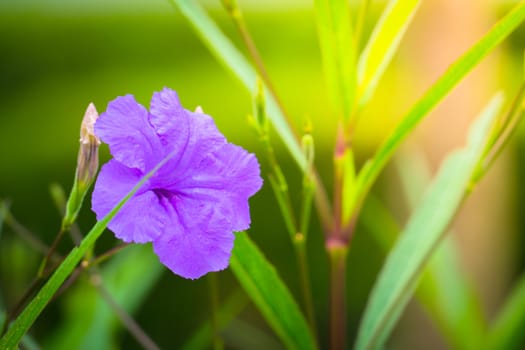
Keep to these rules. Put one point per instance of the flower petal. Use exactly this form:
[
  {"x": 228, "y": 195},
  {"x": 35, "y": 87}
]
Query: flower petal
[
  {"x": 203, "y": 137},
  {"x": 131, "y": 138},
  {"x": 226, "y": 179},
  {"x": 197, "y": 250},
  {"x": 131, "y": 224},
  {"x": 169, "y": 119}
]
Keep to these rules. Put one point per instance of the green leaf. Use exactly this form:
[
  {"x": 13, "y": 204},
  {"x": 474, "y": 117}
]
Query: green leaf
[
  {"x": 383, "y": 44},
  {"x": 263, "y": 285},
  {"x": 338, "y": 52},
  {"x": 435, "y": 94},
  {"x": 28, "y": 316},
  {"x": 507, "y": 330},
  {"x": 444, "y": 290},
  {"x": 226, "y": 53},
  {"x": 420, "y": 238}
]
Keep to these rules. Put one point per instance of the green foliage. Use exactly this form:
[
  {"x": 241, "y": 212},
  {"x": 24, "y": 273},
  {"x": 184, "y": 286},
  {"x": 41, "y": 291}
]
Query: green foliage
[
  {"x": 24, "y": 321},
  {"x": 404, "y": 265},
  {"x": 436, "y": 94},
  {"x": 338, "y": 52},
  {"x": 266, "y": 289}
]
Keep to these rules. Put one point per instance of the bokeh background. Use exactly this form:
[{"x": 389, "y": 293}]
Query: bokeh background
[{"x": 57, "y": 56}]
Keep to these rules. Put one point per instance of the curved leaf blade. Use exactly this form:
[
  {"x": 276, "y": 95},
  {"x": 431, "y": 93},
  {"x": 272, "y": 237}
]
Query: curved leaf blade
[
  {"x": 264, "y": 286},
  {"x": 383, "y": 44},
  {"x": 422, "y": 235}
]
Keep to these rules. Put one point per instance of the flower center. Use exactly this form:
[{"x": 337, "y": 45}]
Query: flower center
[{"x": 164, "y": 193}]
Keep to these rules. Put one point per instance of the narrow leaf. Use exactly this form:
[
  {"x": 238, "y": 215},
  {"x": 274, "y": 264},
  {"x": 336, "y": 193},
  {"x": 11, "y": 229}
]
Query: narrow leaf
[
  {"x": 338, "y": 52},
  {"x": 435, "y": 94},
  {"x": 404, "y": 265},
  {"x": 264, "y": 286},
  {"x": 383, "y": 44},
  {"x": 507, "y": 330},
  {"x": 445, "y": 291},
  {"x": 226, "y": 53}
]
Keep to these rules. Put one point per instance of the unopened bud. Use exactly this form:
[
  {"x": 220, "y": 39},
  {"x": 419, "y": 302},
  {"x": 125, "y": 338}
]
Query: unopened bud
[
  {"x": 87, "y": 163},
  {"x": 87, "y": 166}
]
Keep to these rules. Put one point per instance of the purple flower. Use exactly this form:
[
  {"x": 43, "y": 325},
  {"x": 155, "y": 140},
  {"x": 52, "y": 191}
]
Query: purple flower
[{"x": 191, "y": 206}]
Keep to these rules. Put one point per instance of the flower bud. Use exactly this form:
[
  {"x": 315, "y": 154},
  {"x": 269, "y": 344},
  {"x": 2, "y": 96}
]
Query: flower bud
[
  {"x": 87, "y": 166},
  {"x": 87, "y": 162}
]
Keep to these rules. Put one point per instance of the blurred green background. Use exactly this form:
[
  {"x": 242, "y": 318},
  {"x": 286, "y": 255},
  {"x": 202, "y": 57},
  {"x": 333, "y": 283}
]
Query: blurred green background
[{"x": 57, "y": 56}]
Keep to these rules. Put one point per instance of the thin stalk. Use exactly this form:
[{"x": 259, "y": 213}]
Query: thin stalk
[
  {"x": 134, "y": 328},
  {"x": 50, "y": 252},
  {"x": 304, "y": 275},
  {"x": 235, "y": 13},
  {"x": 337, "y": 253},
  {"x": 297, "y": 234},
  {"x": 339, "y": 152},
  {"x": 301, "y": 237},
  {"x": 25, "y": 234},
  {"x": 284, "y": 205},
  {"x": 213, "y": 282}
]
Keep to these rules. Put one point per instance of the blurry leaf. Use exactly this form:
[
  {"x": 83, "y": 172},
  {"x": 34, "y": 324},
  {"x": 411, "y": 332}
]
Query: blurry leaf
[
  {"x": 228, "y": 310},
  {"x": 383, "y": 44},
  {"x": 128, "y": 277},
  {"x": 435, "y": 94},
  {"x": 445, "y": 291},
  {"x": 338, "y": 52},
  {"x": 450, "y": 299},
  {"x": 226, "y": 53},
  {"x": 507, "y": 330},
  {"x": 28, "y": 316},
  {"x": 404, "y": 264},
  {"x": 263, "y": 285}
]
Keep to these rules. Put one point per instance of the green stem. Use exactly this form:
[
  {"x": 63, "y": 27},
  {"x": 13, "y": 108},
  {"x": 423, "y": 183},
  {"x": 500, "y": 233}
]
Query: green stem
[
  {"x": 214, "y": 299},
  {"x": 238, "y": 19},
  {"x": 50, "y": 253},
  {"x": 304, "y": 275},
  {"x": 337, "y": 253}
]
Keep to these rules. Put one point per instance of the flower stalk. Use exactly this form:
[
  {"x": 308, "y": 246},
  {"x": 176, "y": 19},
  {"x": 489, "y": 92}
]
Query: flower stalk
[
  {"x": 297, "y": 230},
  {"x": 86, "y": 171}
]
